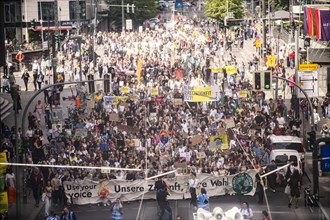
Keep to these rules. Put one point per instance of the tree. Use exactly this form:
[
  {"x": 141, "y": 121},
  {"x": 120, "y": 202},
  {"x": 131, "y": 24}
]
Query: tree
[
  {"x": 144, "y": 9},
  {"x": 217, "y": 9}
]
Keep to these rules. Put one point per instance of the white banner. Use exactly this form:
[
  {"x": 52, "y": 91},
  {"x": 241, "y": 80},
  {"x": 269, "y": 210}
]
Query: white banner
[{"x": 91, "y": 192}]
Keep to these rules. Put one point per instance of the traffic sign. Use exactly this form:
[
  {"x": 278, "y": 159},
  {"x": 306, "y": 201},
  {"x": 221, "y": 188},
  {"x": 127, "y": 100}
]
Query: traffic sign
[
  {"x": 271, "y": 61},
  {"x": 308, "y": 81},
  {"x": 308, "y": 67},
  {"x": 325, "y": 155},
  {"x": 129, "y": 24}
]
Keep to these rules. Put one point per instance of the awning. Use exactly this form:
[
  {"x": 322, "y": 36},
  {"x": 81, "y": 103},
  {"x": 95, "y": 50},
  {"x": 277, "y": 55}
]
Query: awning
[{"x": 62, "y": 28}]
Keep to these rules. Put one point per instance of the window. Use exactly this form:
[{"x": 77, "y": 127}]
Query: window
[
  {"x": 12, "y": 12},
  {"x": 75, "y": 9},
  {"x": 46, "y": 11}
]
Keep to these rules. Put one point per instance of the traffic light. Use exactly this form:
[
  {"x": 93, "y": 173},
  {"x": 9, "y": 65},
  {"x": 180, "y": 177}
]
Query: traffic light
[
  {"x": 33, "y": 23},
  {"x": 91, "y": 85},
  {"x": 307, "y": 42},
  {"x": 311, "y": 139},
  {"x": 267, "y": 80},
  {"x": 257, "y": 80},
  {"x": 57, "y": 38},
  {"x": 106, "y": 84}
]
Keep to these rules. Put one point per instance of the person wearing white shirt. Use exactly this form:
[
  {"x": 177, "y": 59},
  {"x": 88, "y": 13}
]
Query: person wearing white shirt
[
  {"x": 193, "y": 183},
  {"x": 316, "y": 119},
  {"x": 246, "y": 211}
]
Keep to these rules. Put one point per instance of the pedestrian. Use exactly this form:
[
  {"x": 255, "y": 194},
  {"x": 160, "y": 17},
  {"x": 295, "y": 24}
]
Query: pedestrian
[
  {"x": 53, "y": 216},
  {"x": 265, "y": 215},
  {"x": 56, "y": 183},
  {"x": 36, "y": 182},
  {"x": 291, "y": 85},
  {"x": 40, "y": 80},
  {"x": 325, "y": 108},
  {"x": 117, "y": 210},
  {"x": 48, "y": 198},
  {"x": 68, "y": 214},
  {"x": 35, "y": 70},
  {"x": 325, "y": 132},
  {"x": 246, "y": 211},
  {"x": 193, "y": 183},
  {"x": 316, "y": 118},
  {"x": 203, "y": 200},
  {"x": 295, "y": 183},
  {"x": 271, "y": 177},
  {"x": 39, "y": 108},
  {"x": 5, "y": 84},
  {"x": 25, "y": 77},
  {"x": 10, "y": 183},
  {"x": 161, "y": 197},
  {"x": 260, "y": 185}
]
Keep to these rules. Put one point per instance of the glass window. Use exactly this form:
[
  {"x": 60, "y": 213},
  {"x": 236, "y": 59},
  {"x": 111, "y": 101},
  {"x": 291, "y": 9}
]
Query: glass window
[
  {"x": 46, "y": 11},
  {"x": 74, "y": 10},
  {"x": 10, "y": 12},
  {"x": 281, "y": 160}
]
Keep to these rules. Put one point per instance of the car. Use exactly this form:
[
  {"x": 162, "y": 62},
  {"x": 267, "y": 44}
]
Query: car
[
  {"x": 282, "y": 156},
  {"x": 279, "y": 142}
]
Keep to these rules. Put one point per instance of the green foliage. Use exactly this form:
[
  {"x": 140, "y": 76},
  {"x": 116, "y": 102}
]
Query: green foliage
[
  {"x": 34, "y": 36},
  {"x": 282, "y": 5},
  {"x": 144, "y": 9},
  {"x": 217, "y": 9}
]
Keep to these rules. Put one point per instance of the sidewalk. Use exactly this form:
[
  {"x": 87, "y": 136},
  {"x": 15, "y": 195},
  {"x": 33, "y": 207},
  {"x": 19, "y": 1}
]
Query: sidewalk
[{"x": 28, "y": 211}]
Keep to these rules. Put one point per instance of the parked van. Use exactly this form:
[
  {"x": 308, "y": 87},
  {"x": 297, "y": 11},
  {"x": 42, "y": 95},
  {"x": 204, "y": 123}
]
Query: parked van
[
  {"x": 275, "y": 142},
  {"x": 281, "y": 157}
]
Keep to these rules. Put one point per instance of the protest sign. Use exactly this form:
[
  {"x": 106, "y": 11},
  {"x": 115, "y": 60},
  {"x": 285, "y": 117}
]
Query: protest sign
[
  {"x": 130, "y": 129},
  {"x": 196, "y": 139},
  {"x": 114, "y": 117},
  {"x": 201, "y": 93},
  {"x": 230, "y": 123},
  {"x": 220, "y": 141},
  {"x": 81, "y": 132},
  {"x": 177, "y": 102},
  {"x": 90, "y": 104},
  {"x": 201, "y": 155}
]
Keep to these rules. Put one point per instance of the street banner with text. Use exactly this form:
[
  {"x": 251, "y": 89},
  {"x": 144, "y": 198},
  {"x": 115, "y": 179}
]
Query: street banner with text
[{"x": 91, "y": 192}]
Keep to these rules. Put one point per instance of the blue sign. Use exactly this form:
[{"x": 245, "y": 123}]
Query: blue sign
[{"x": 325, "y": 156}]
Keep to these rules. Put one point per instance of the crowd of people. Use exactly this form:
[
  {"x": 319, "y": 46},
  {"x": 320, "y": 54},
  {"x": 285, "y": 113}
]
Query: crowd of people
[{"x": 171, "y": 58}]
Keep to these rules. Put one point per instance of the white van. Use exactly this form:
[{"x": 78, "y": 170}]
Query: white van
[
  {"x": 286, "y": 142},
  {"x": 281, "y": 157}
]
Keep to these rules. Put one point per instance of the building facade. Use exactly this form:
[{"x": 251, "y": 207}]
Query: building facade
[{"x": 69, "y": 14}]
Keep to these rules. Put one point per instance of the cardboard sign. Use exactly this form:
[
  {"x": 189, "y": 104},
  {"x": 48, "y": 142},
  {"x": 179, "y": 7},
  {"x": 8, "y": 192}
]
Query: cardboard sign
[
  {"x": 177, "y": 102},
  {"x": 114, "y": 117},
  {"x": 184, "y": 135},
  {"x": 230, "y": 123},
  {"x": 201, "y": 155},
  {"x": 90, "y": 104},
  {"x": 221, "y": 131},
  {"x": 196, "y": 139},
  {"x": 129, "y": 129},
  {"x": 82, "y": 132}
]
